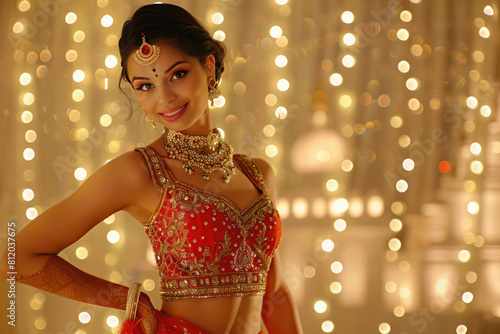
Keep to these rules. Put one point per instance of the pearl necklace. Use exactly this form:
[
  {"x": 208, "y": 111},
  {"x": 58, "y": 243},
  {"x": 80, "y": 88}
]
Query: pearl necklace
[{"x": 191, "y": 150}]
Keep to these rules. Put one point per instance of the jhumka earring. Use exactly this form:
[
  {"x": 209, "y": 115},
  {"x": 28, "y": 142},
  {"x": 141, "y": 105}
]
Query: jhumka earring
[
  {"x": 150, "y": 119},
  {"x": 213, "y": 90},
  {"x": 147, "y": 53}
]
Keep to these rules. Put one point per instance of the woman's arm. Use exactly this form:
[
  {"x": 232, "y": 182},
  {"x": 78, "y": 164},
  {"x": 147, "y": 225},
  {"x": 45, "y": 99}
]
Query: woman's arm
[
  {"x": 112, "y": 188},
  {"x": 279, "y": 312}
]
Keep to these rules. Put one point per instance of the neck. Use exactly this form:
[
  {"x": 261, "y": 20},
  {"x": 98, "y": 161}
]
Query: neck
[{"x": 203, "y": 126}]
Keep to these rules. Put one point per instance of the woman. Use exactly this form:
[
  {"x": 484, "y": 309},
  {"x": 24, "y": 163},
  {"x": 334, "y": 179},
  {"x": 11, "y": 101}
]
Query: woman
[{"x": 209, "y": 214}]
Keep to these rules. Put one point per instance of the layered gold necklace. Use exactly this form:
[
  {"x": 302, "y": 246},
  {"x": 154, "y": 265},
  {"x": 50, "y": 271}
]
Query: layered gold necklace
[{"x": 209, "y": 153}]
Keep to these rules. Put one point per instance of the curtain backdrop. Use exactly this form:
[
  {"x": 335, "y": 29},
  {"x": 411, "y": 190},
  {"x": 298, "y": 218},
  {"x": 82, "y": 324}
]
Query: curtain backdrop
[{"x": 380, "y": 119}]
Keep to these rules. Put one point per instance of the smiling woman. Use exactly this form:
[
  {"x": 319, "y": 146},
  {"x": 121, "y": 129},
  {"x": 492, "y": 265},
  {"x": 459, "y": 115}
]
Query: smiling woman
[
  {"x": 209, "y": 213},
  {"x": 173, "y": 90}
]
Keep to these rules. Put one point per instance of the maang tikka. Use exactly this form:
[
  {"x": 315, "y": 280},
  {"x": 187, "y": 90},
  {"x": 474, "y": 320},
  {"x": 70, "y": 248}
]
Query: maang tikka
[{"x": 147, "y": 53}]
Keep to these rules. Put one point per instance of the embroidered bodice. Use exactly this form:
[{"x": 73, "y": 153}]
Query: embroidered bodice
[{"x": 204, "y": 245}]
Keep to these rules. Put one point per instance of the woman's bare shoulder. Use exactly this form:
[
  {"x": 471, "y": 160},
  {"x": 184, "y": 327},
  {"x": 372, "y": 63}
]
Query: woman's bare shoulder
[
  {"x": 267, "y": 172},
  {"x": 130, "y": 167},
  {"x": 129, "y": 160},
  {"x": 263, "y": 165}
]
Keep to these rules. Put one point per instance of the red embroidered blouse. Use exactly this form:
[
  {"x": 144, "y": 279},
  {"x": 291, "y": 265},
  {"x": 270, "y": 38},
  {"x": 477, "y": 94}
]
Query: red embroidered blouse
[{"x": 204, "y": 245}]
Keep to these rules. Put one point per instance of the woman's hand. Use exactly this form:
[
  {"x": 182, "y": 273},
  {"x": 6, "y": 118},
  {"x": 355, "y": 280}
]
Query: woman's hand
[{"x": 146, "y": 311}]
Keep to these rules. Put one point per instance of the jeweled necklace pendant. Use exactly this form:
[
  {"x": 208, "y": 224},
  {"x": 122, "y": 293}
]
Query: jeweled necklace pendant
[{"x": 191, "y": 150}]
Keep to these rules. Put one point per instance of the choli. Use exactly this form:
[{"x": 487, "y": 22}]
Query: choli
[{"x": 204, "y": 245}]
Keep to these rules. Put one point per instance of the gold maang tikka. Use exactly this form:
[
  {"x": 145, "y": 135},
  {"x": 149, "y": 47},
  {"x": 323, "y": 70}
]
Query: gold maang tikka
[{"x": 147, "y": 53}]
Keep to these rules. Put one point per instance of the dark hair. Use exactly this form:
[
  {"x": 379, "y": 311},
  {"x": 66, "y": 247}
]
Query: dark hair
[{"x": 174, "y": 25}]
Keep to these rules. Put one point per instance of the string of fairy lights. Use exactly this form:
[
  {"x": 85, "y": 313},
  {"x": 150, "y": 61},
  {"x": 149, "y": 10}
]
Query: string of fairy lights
[
  {"x": 399, "y": 206},
  {"x": 401, "y": 185},
  {"x": 475, "y": 169},
  {"x": 476, "y": 128},
  {"x": 78, "y": 133},
  {"x": 480, "y": 108}
]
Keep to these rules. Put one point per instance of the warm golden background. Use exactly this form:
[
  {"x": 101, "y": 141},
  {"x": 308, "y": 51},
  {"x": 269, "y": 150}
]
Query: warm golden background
[{"x": 381, "y": 119}]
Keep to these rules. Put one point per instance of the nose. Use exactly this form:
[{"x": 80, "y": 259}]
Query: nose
[{"x": 167, "y": 95}]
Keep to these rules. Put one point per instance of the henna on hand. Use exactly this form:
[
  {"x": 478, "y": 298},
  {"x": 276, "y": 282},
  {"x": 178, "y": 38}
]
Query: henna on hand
[
  {"x": 63, "y": 279},
  {"x": 147, "y": 312}
]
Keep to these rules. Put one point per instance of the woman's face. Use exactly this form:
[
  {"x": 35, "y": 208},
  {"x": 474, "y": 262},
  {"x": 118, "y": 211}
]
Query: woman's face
[{"x": 174, "y": 89}]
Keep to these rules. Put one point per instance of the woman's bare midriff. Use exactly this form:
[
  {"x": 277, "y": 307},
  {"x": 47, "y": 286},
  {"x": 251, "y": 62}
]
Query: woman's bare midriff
[{"x": 237, "y": 315}]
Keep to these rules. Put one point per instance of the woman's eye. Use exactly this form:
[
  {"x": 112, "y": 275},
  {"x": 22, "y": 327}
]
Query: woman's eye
[
  {"x": 145, "y": 87},
  {"x": 179, "y": 75}
]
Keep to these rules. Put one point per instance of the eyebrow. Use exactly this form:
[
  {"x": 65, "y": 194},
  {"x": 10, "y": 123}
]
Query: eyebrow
[{"x": 166, "y": 71}]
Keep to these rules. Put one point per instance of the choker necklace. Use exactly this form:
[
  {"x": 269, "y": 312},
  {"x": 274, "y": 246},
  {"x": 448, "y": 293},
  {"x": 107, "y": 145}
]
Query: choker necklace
[{"x": 191, "y": 150}]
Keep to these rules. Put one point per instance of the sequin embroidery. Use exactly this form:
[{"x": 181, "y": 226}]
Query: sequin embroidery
[{"x": 204, "y": 245}]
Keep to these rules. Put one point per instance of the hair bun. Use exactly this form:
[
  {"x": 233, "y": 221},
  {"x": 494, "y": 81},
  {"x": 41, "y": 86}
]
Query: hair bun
[{"x": 173, "y": 24}]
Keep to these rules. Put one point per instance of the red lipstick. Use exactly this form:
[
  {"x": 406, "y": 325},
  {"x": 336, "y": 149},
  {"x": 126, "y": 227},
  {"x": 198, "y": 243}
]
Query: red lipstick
[{"x": 173, "y": 114}]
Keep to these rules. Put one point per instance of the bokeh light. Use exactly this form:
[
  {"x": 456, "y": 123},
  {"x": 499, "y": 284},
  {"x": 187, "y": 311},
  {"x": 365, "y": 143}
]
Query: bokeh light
[
  {"x": 320, "y": 306},
  {"x": 384, "y": 328},
  {"x": 336, "y": 79},
  {"x": 327, "y": 326},
  {"x": 347, "y": 17},
  {"x": 276, "y": 31},
  {"x": 217, "y": 18},
  {"x": 70, "y": 18},
  {"x": 84, "y": 317},
  {"x": 107, "y": 21},
  {"x": 327, "y": 245}
]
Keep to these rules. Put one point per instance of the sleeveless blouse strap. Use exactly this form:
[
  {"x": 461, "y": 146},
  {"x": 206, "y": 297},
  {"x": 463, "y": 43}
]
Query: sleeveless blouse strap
[
  {"x": 156, "y": 166},
  {"x": 251, "y": 170}
]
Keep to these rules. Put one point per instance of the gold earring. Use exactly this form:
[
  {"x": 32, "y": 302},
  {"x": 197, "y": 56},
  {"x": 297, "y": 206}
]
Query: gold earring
[
  {"x": 151, "y": 121},
  {"x": 213, "y": 90}
]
